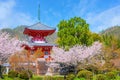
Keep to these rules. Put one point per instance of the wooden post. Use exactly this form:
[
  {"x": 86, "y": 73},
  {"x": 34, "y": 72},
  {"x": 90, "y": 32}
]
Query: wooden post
[{"x": 28, "y": 55}]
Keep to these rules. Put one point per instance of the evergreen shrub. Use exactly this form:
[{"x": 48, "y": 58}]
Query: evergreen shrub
[
  {"x": 26, "y": 74},
  {"x": 100, "y": 77},
  {"x": 70, "y": 76},
  {"x": 48, "y": 78},
  {"x": 111, "y": 75},
  {"x": 12, "y": 74},
  {"x": 85, "y": 74},
  {"x": 58, "y": 78}
]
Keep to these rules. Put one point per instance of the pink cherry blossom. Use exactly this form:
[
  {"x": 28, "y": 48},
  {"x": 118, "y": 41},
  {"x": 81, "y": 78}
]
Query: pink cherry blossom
[
  {"x": 76, "y": 54},
  {"x": 8, "y": 45}
]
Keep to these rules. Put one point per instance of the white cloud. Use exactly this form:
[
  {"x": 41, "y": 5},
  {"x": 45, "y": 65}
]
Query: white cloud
[
  {"x": 105, "y": 19},
  {"x": 98, "y": 21},
  {"x": 9, "y": 17},
  {"x": 83, "y": 7}
]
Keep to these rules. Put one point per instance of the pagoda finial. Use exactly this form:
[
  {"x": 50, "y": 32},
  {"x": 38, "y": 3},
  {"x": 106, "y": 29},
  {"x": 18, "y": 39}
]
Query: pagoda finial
[{"x": 39, "y": 12}]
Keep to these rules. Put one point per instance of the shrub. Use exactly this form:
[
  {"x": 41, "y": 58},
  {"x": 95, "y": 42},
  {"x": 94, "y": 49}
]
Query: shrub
[
  {"x": 37, "y": 78},
  {"x": 116, "y": 71},
  {"x": 85, "y": 74},
  {"x": 70, "y": 76},
  {"x": 48, "y": 78},
  {"x": 92, "y": 68},
  {"x": 25, "y": 74},
  {"x": 12, "y": 74},
  {"x": 111, "y": 75},
  {"x": 58, "y": 78},
  {"x": 30, "y": 73},
  {"x": 79, "y": 78},
  {"x": 53, "y": 78},
  {"x": 82, "y": 79},
  {"x": 5, "y": 75},
  {"x": 100, "y": 77},
  {"x": 117, "y": 77}
]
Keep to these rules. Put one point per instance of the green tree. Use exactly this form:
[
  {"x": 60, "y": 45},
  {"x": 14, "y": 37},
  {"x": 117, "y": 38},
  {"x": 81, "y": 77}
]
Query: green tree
[
  {"x": 111, "y": 41},
  {"x": 75, "y": 31}
]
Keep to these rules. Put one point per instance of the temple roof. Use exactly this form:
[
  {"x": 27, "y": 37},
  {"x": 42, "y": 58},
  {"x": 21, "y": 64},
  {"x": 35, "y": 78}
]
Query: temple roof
[
  {"x": 34, "y": 46},
  {"x": 40, "y": 26},
  {"x": 38, "y": 29}
]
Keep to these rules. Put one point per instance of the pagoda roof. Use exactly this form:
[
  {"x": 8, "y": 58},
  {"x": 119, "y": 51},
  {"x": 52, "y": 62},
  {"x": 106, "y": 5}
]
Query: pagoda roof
[
  {"x": 38, "y": 29},
  {"x": 34, "y": 46},
  {"x": 40, "y": 26}
]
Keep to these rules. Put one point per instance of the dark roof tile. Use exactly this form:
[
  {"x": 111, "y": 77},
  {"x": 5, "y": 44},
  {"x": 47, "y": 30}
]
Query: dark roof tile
[{"x": 40, "y": 26}]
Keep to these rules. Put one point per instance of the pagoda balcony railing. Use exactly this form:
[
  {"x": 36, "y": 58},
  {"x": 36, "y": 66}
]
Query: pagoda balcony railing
[{"x": 38, "y": 40}]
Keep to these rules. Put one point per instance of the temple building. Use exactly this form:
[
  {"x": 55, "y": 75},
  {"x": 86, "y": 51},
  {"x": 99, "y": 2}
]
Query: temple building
[{"x": 37, "y": 34}]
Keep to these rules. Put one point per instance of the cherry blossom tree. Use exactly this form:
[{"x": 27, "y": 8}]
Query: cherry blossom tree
[
  {"x": 76, "y": 54},
  {"x": 8, "y": 45}
]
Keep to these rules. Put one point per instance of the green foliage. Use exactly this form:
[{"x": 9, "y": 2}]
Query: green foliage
[
  {"x": 53, "y": 78},
  {"x": 110, "y": 41},
  {"x": 5, "y": 75},
  {"x": 111, "y": 37},
  {"x": 114, "y": 31},
  {"x": 85, "y": 74},
  {"x": 48, "y": 78},
  {"x": 37, "y": 78},
  {"x": 7, "y": 78},
  {"x": 30, "y": 73},
  {"x": 75, "y": 31},
  {"x": 79, "y": 78},
  {"x": 100, "y": 77},
  {"x": 25, "y": 74},
  {"x": 92, "y": 68},
  {"x": 96, "y": 37},
  {"x": 12, "y": 74},
  {"x": 70, "y": 76},
  {"x": 117, "y": 78},
  {"x": 115, "y": 71},
  {"x": 58, "y": 78},
  {"x": 111, "y": 75}
]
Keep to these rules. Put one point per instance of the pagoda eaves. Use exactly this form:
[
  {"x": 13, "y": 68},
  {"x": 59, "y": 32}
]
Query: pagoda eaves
[{"x": 39, "y": 29}]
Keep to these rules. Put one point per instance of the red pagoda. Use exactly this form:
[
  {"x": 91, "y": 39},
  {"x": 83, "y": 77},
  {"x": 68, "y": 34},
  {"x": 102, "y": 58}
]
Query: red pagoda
[{"x": 37, "y": 33}]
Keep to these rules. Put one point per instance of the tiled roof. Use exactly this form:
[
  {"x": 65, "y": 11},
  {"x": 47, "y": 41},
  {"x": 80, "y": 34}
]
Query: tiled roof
[{"x": 40, "y": 26}]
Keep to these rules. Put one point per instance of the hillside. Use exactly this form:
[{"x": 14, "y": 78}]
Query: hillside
[
  {"x": 114, "y": 31},
  {"x": 18, "y": 32}
]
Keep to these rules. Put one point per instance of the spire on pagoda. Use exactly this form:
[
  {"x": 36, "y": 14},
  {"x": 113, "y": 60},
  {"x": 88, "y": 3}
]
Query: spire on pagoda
[{"x": 39, "y": 12}]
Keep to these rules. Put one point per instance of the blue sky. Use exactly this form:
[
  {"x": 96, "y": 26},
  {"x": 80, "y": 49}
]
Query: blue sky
[{"x": 100, "y": 14}]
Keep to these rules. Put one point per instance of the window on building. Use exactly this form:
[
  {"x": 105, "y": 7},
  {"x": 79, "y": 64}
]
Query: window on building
[{"x": 46, "y": 52}]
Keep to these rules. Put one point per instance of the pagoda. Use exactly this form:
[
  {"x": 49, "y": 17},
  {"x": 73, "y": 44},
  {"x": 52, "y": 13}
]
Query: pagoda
[{"x": 37, "y": 33}]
